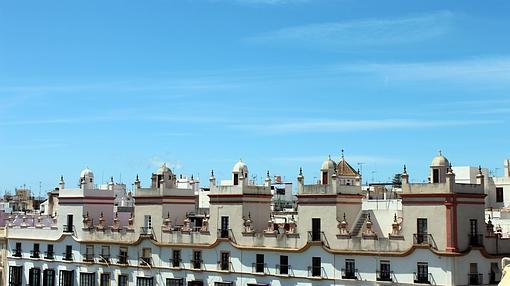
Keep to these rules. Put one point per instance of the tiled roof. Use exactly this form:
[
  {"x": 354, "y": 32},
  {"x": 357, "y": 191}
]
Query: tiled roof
[{"x": 344, "y": 169}]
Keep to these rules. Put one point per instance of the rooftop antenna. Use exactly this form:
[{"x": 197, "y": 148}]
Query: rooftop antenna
[{"x": 360, "y": 164}]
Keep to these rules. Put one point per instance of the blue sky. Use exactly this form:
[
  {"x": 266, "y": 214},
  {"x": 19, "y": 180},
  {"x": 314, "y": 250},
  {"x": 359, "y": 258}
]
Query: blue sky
[{"x": 122, "y": 86}]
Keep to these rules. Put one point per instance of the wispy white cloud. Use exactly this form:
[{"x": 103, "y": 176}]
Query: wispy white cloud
[
  {"x": 487, "y": 69},
  {"x": 364, "y": 32},
  {"x": 113, "y": 117},
  {"x": 329, "y": 126},
  {"x": 482, "y": 71}
]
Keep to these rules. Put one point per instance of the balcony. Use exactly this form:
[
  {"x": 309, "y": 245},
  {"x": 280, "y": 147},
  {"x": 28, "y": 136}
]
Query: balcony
[
  {"x": 196, "y": 263},
  {"x": 259, "y": 268},
  {"x": 122, "y": 259},
  {"x": 175, "y": 263},
  {"x": 104, "y": 258},
  {"x": 475, "y": 239},
  {"x": 225, "y": 266},
  {"x": 146, "y": 261},
  {"x": 422, "y": 278},
  {"x": 424, "y": 239},
  {"x": 283, "y": 269},
  {"x": 318, "y": 237},
  {"x": 34, "y": 254},
  {"x": 350, "y": 274},
  {"x": 16, "y": 252},
  {"x": 68, "y": 228},
  {"x": 224, "y": 233},
  {"x": 67, "y": 256},
  {"x": 49, "y": 255},
  {"x": 475, "y": 278},
  {"x": 88, "y": 257},
  {"x": 316, "y": 271},
  {"x": 493, "y": 278},
  {"x": 147, "y": 232},
  {"x": 384, "y": 275}
]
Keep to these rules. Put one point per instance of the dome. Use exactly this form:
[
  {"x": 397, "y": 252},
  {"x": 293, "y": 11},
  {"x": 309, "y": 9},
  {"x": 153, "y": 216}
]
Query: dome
[
  {"x": 163, "y": 169},
  {"x": 328, "y": 164},
  {"x": 439, "y": 161},
  {"x": 87, "y": 173},
  {"x": 240, "y": 167}
]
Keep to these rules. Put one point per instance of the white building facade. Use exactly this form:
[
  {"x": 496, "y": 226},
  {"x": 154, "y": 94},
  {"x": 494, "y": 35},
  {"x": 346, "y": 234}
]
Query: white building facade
[{"x": 434, "y": 234}]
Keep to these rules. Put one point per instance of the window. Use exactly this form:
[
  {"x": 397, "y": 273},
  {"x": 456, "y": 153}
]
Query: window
[
  {"x": 350, "y": 269},
  {"x": 316, "y": 229},
  {"x": 197, "y": 259},
  {"x": 316, "y": 266},
  {"x": 104, "y": 279},
  {"x": 473, "y": 267},
  {"x": 49, "y": 277},
  {"x": 144, "y": 281},
  {"x": 34, "y": 277},
  {"x": 494, "y": 271},
  {"x": 196, "y": 283},
  {"x": 224, "y": 227},
  {"x": 225, "y": 261},
  {"x": 35, "y": 251},
  {"x": 148, "y": 222},
  {"x": 66, "y": 277},
  {"x": 435, "y": 176},
  {"x": 69, "y": 226},
  {"x": 284, "y": 264},
  {"x": 384, "y": 271},
  {"x": 17, "y": 250},
  {"x": 175, "y": 282},
  {"x": 87, "y": 279},
  {"x": 123, "y": 255},
  {"x": 176, "y": 258},
  {"x": 421, "y": 236},
  {"x": 259, "y": 264},
  {"x": 68, "y": 255},
  {"x": 15, "y": 275},
  {"x": 223, "y": 283},
  {"x": 89, "y": 253},
  {"x": 473, "y": 227},
  {"x": 499, "y": 195},
  {"x": 146, "y": 256},
  {"x": 123, "y": 280},
  {"x": 49, "y": 251},
  {"x": 422, "y": 276},
  {"x": 236, "y": 179},
  {"x": 105, "y": 253},
  {"x": 324, "y": 178}
]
